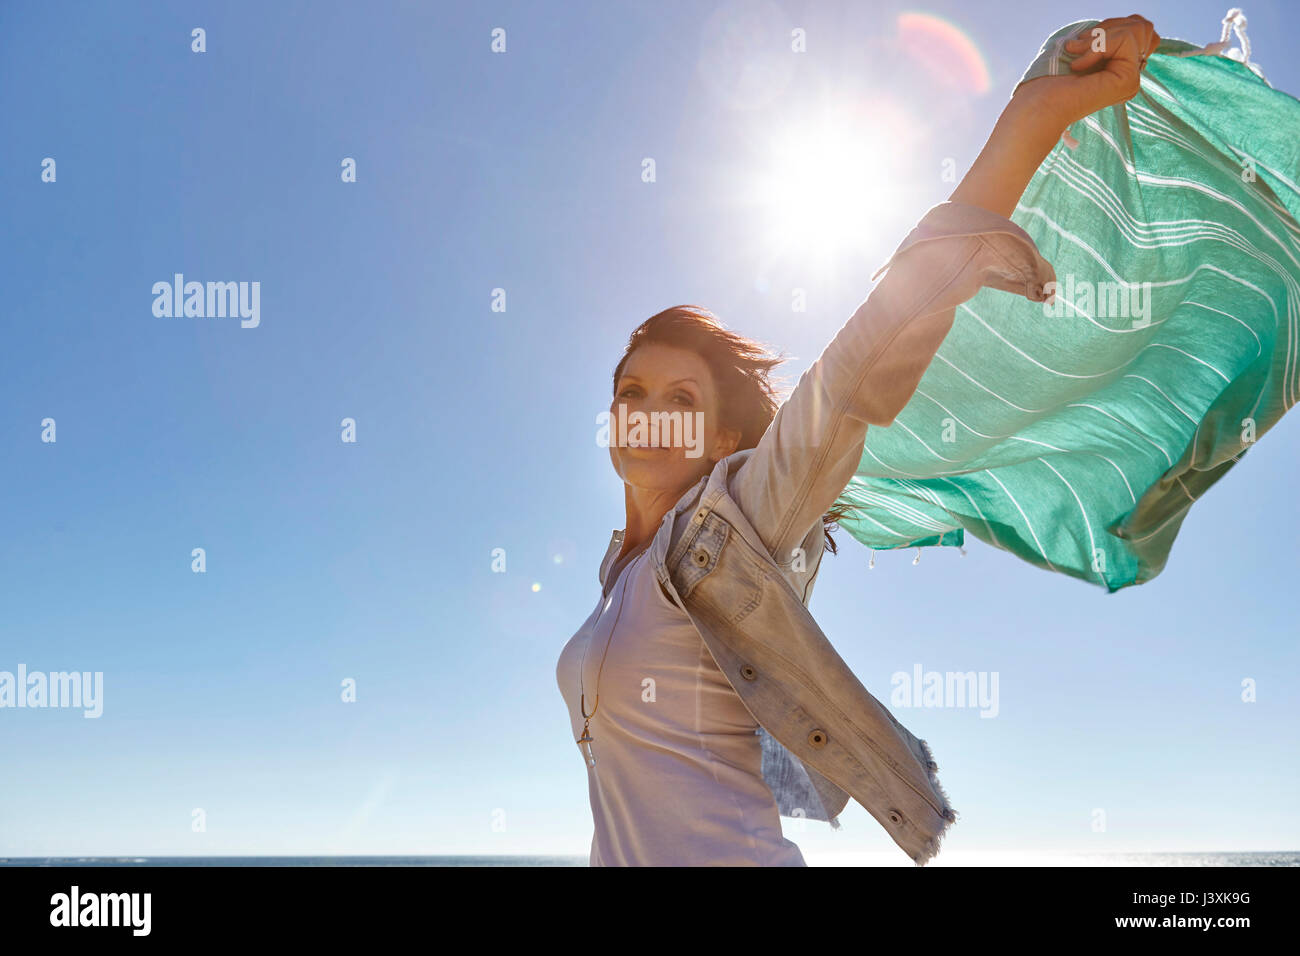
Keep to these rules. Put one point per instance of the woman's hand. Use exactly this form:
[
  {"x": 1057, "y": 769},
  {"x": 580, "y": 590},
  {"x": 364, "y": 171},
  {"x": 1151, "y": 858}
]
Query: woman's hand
[{"x": 1106, "y": 71}]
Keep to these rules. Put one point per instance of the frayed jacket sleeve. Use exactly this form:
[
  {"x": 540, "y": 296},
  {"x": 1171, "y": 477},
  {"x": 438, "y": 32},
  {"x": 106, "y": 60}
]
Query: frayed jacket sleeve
[{"x": 871, "y": 368}]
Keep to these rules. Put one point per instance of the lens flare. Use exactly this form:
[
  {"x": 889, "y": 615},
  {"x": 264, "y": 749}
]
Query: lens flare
[{"x": 944, "y": 52}]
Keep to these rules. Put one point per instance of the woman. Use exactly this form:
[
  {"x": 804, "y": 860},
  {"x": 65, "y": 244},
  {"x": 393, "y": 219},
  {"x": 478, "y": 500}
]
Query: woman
[{"x": 705, "y": 701}]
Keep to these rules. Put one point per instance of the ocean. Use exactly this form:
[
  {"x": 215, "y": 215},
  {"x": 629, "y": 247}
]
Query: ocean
[{"x": 1194, "y": 859}]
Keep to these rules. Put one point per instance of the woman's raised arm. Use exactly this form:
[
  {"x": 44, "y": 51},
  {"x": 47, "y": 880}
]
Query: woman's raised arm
[{"x": 872, "y": 367}]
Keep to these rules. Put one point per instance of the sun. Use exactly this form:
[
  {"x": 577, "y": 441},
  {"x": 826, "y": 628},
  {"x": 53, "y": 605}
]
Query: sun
[{"x": 827, "y": 185}]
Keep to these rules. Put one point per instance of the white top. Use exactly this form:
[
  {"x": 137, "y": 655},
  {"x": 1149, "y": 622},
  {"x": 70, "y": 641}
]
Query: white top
[{"x": 678, "y": 773}]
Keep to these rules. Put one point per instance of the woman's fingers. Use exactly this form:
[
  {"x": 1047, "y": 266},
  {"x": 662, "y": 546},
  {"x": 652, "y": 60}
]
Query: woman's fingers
[
  {"x": 1088, "y": 60},
  {"x": 1120, "y": 48},
  {"x": 1096, "y": 45},
  {"x": 1106, "y": 68},
  {"x": 1127, "y": 37}
]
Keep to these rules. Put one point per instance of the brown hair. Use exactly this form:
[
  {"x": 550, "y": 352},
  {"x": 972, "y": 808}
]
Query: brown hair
[{"x": 741, "y": 367}]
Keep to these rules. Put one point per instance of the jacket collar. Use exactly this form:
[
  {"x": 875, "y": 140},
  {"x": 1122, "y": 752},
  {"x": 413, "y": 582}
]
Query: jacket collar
[{"x": 704, "y": 488}]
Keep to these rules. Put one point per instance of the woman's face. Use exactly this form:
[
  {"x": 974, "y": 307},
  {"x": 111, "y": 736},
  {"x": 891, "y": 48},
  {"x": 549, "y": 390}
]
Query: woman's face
[{"x": 666, "y": 436}]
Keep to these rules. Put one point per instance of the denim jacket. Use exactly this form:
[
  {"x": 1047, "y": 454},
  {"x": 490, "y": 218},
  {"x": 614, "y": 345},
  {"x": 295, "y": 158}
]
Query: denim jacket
[{"x": 739, "y": 552}]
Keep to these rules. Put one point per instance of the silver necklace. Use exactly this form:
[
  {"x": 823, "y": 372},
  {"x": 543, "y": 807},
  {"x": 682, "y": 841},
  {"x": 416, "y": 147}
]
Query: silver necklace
[{"x": 586, "y": 738}]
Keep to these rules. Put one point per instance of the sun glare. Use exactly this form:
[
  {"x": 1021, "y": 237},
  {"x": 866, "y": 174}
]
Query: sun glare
[{"x": 827, "y": 184}]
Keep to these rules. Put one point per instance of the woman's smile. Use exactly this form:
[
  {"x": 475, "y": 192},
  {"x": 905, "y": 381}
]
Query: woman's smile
[{"x": 644, "y": 446}]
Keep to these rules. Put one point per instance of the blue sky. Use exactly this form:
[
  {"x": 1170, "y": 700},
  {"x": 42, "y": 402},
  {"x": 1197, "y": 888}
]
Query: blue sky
[{"x": 475, "y": 428}]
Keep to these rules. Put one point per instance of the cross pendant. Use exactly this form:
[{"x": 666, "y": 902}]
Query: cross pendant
[{"x": 586, "y": 739}]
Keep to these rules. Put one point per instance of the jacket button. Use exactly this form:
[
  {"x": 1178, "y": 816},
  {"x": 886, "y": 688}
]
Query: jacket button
[
  {"x": 701, "y": 515},
  {"x": 895, "y": 816},
  {"x": 700, "y": 557},
  {"x": 748, "y": 672},
  {"x": 818, "y": 738}
]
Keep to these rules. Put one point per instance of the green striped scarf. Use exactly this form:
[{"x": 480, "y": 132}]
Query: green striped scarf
[{"x": 1080, "y": 441}]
